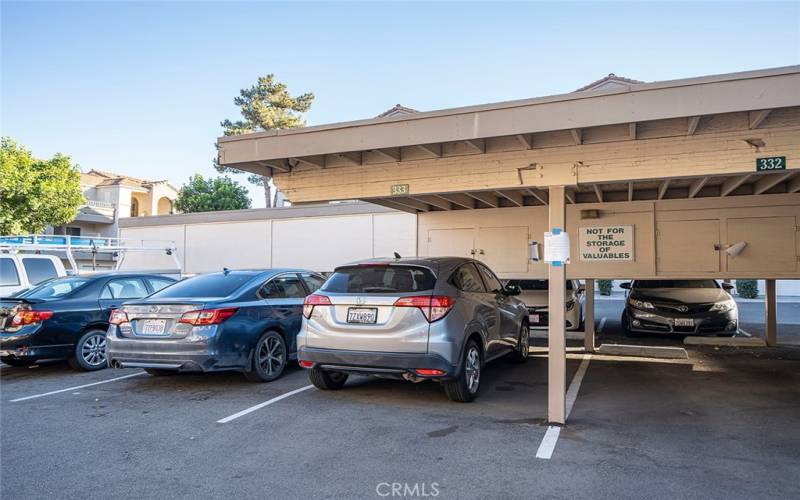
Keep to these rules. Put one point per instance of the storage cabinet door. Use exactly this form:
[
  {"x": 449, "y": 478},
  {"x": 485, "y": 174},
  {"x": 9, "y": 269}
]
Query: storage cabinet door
[
  {"x": 687, "y": 246},
  {"x": 451, "y": 242},
  {"x": 503, "y": 249},
  {"x": 770, "y": 244}
]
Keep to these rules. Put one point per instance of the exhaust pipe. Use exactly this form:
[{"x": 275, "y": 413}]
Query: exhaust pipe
[{"x": 115, "y": 364}]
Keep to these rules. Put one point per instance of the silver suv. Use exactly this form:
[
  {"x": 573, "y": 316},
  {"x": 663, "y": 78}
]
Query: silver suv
[{"x": 416, "y": 319}]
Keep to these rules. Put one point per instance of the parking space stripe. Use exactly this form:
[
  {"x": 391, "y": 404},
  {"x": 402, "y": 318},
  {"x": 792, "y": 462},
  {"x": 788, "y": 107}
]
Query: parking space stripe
[
  {"x": 76, "y": 387},
  {"x": 262, "y": 405},
  {"x": 550, "y": 438}
]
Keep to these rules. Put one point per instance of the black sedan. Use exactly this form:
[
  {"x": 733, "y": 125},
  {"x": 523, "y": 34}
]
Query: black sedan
[
  {"x": 685, "y": 307},
  {"x": 67, "y": 318}
]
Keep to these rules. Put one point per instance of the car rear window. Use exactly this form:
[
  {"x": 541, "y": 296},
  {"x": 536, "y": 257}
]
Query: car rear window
[
  {"x": 8, "y": 273},
  {"x": 55, "y": 289},
  {"x": 675, "y": 284},
  {"x": 380, "y": 279},
  {"x": 215, "y": 285},
  {"x": 39, "y": 270}
]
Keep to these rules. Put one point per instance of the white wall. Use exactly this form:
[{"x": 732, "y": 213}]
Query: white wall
[{"x": 316, "y": 243}]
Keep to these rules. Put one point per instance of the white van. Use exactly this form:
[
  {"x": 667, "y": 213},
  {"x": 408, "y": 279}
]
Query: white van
[{"x": 20, "y": 271}]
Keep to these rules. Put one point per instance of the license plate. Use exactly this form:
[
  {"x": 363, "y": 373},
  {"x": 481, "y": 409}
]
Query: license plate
[
  {"x": 684, "y": 322},
  {"x": 363, "y": 315},
  {"x": 153, "y": 327},
  {"x": 533, "y": 318}
]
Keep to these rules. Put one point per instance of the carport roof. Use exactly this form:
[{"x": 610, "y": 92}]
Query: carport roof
[{"x": 638, "y": 102}]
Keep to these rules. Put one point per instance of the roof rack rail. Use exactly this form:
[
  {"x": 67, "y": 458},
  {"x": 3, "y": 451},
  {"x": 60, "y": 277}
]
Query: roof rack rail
[{"x": 92, "y": 244}]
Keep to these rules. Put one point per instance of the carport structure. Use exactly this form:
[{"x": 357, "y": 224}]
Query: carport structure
[{"x": 688, "y": 168}]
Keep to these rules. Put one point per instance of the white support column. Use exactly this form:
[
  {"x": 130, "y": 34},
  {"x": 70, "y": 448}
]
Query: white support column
[
  {"x": 557, "y": 335},
  {"x": 588, "y": 318},
  {"x": 771, "y": 313}
]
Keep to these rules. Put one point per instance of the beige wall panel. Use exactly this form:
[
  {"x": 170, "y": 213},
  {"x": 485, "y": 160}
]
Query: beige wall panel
[
  {"x": 138, "y": 236},
  {"x": 770, "y": 244},
  {"x": 321, "y": 243},
  {"x": 687, "y": 247},
  {"x": 504, "y": 249},
  {"x": 394, "y": 233},
  {"x": 235, "y": 245}
]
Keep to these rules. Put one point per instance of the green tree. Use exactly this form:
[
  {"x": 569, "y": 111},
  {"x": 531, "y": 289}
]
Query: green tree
[
  {"x": 747, "y": 289},
  {"x": 267, "y": 105},
  {"x": 36, "y": 193},
  {"x": 605, "y": 286},
  {"x": 210, "y": 195}
]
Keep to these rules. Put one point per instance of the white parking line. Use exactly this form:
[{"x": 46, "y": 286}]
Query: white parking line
[
  {"x": 550, "y": 438},
  {"x": 76, "y": 387},
  {"x": 262, "y": 405},
  {"x": 602, "y": 325},
  {"x": 746, "y": 334}
]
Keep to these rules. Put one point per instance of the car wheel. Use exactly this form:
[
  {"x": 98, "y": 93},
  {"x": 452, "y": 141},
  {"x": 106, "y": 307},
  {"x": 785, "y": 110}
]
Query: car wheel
[
  {"x": 465, "y": 388},
  {"x": 520, "y": 354},
  {"x": 327, "y": 380},
  {"x": 90, "y": 352},
  {"x": 160, "y": 372},
  {"x": 17, "y": 362},
  {"x": 269, "y": 358}
]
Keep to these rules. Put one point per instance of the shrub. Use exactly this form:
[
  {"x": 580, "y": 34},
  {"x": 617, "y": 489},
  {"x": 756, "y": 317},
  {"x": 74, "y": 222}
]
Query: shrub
[
  {"x": 604, "y": 286},
  {"x": 747, "y": 289}
]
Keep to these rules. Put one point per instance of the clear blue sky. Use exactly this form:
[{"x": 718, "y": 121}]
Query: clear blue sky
[{"x": 140, "y": 88}]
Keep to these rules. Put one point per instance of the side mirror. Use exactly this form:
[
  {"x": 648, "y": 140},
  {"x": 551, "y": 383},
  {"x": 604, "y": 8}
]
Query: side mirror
[
  {"x": 727, "y": 287},
  {"x": 626, "y": 285},
  {"x": 512, "y": 290}
]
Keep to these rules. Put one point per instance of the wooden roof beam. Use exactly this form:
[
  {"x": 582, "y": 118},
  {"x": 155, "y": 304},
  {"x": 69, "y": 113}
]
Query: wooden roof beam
[
  {"x": 311, "y": 161},
  {"x": 390, "y": 154},
  {"x": 632, "y": 131},
  {"x": 770, "y": 181},
  {"x": 630, "y": 191},
  {"x": 731, "y": 184},
  {"x": 434, "y": 201},
  {"x": 354, "y": 158},
  {"x": 412, "y": 203},
  {"x": 694, "y": 121},
  {"x": 281, "y": 165},
  {"x": 598, "y": 192},
  {"x": 461, "y": 200},
  {"x": 577, "y": 136},
  {"x": 526, "y": 140},
  {"x": 514, "y": 197},
  {"x": 390, "y": 204},
  {"x": 477, "y": 145},
  {"x": 539, "y": 195},
  {"x": 431, "y": 149},
  {"x": 793, "y": 185},
  {"x": 757, "y": 117},
  {"x": 487, "y": 198},
  {"x": 569, "y": 195},
  {"x": 662, "y": 189},
  {"x": 697, "y": 185}
]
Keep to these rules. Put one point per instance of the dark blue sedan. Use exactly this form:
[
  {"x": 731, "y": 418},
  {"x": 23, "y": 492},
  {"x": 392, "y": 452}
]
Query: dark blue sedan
[
  {"x": 67, "y": 318},
  {"x": 231, "y": 320}
]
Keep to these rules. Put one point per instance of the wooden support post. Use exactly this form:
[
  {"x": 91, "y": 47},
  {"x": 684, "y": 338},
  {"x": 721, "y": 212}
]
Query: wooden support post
[
  {"x": 771, "y": 313},
  {"x": 588, "y": 317},
  {"x": 556, "y": 331}
]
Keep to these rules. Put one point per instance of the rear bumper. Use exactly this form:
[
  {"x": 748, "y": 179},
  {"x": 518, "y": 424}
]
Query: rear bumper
[
  {"x": 179, "y": 355},
  {"x": 376, "y": 363},
  {"x": 29, "y": 343}
]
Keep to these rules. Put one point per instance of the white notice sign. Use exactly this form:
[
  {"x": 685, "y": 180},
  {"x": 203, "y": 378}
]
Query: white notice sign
[
  {"x": 556, "y": 247},
  {"x": 605, "y": 243}
]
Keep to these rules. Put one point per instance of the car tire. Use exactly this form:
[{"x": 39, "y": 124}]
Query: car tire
[
  {"x": 269, "y": 358},
  {"x": 626, "y": 329},
  {"x": 520, "y": 354},
  {"x": 327, "y": 380},
  {"x": 465, "y": 387},
  {"x": 90, "y": 352},
  {"x": 160, "y": 372},
  {"x": 17, "y": 362}
]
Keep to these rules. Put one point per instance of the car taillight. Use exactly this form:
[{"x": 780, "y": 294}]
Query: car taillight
[
  {"x": 208, "y": 316},
  {"x": 28, "y": 317},
  {"x": 434, "y": 307},
  {"x": 314, "y": 300},
  {"x": 117, "y": 317}
]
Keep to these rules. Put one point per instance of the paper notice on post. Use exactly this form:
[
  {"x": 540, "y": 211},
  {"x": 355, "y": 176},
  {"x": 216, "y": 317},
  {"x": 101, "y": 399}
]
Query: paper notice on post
[{"x": 556, "y": 247}]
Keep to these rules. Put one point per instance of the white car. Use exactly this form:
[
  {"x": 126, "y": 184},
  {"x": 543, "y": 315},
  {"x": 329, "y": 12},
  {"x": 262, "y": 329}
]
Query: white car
[
  {"x": 534, "y": 294},
  {"x": 22, "y": 271}
]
